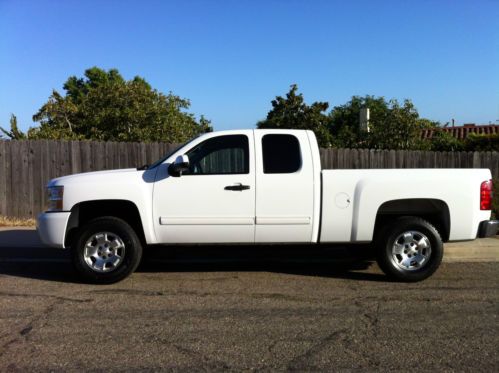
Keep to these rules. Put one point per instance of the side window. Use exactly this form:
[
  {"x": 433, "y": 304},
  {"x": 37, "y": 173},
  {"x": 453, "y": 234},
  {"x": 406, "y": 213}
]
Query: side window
[
  {"x": 221, "y": 155},
  {"x": 281, "y": 154}
]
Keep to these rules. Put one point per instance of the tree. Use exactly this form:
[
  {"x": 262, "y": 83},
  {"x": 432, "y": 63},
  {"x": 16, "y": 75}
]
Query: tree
[
  {"x": 400, "y": 128},
  {"x": 345, "y": 120},
  {"x": 104, "y": 106},
  {"x": 291, "y": 112},
  {"x": 392, "y": 125},
  {"x": 14, "y": 133}
]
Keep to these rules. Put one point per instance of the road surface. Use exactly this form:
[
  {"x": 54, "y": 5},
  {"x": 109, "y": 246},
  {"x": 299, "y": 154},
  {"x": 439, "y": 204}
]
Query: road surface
[{"x": 248, "y": 315}]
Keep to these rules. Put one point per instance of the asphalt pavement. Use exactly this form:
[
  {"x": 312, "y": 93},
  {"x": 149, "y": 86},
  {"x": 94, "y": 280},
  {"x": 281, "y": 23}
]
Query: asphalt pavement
[{"x": 205, "y": 309}]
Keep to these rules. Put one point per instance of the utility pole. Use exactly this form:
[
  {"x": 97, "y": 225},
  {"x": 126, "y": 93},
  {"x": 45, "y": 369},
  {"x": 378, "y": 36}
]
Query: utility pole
[{"x": 364, "y": 119}]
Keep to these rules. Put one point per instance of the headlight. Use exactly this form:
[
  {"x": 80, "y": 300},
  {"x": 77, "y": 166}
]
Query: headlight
[{"x": 55, "y": 195}]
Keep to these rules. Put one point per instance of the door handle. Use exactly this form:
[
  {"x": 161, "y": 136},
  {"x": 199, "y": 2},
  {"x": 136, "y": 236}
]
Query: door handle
[{"x": 237, "y": 187}]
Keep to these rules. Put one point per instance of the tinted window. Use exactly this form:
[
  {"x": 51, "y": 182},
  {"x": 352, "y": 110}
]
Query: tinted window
[
  {"x": 281, "y": 154},
  {"x": 220, "y": 155}
]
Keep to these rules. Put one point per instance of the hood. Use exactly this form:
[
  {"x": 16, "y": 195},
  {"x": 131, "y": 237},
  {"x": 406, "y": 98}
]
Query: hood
[{"x": 113, "y": 176}]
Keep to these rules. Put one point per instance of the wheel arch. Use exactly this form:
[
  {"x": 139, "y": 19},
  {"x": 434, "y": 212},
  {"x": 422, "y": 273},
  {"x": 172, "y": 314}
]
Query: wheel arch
[
  {"x": 435, "y": 211},
  {"x": 83, "y": 212}
]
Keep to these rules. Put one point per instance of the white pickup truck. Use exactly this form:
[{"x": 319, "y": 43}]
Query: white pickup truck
[{"x": 263, "y": 187}]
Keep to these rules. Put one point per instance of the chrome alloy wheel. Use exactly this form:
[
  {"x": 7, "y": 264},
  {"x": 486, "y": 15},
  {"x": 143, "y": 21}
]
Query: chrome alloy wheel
[
  {"x": 104, "y": 251},
  {"x": 411, "y": 250}
]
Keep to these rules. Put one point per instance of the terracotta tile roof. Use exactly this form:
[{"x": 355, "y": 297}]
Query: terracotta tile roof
[{"x": 461, "y": 132}]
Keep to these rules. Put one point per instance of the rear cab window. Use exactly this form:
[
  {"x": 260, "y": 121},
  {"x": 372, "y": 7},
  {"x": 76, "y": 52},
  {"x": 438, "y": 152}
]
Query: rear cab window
[{"x": 281, "y": 154}]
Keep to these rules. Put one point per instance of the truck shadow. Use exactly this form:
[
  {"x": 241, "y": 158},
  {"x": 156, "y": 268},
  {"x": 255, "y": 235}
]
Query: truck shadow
[
  {"x": 342, "y": 262},
  {"x": 63, "y": 272},
  {"x": 22, "y": 256},
  {"x": 352, "y": 271}
]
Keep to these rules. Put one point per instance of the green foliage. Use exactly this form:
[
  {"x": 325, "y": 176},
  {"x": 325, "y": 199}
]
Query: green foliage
[
  {"x": 344, "y": 121},
  {"x": 14, "y": 133},
  {"x": 397, "y": 128},
  {"x": 495, "y": 198},
  {"x": 392, "y": 125},
  {"x": 482, "y": 143},
  {"x": 405, "y": 126},
  {"x": 291, "y": 112},
  {"x": 104, "y": 106},
  {"x": 444, "y": 142}
]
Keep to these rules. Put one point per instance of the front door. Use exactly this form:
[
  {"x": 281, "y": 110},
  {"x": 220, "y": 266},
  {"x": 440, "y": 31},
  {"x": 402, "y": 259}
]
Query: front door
[{"x": 214, "y": 201}]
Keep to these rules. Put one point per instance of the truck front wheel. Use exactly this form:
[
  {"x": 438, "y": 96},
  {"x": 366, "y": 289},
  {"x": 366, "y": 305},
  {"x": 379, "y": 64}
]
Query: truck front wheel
[
  {"x": 409, "y": 249},
  {"x": 106, "y": 250}
]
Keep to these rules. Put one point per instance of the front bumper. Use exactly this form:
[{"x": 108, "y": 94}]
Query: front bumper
[
  {"x": 488, "y": 228},
  {"x": 51, "y": 227}
]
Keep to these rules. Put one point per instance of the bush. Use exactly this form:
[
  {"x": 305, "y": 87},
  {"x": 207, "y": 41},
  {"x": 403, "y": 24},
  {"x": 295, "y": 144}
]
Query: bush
[
  {"x": 445, "y": 142},
  {"x": 482, "y": 143}
]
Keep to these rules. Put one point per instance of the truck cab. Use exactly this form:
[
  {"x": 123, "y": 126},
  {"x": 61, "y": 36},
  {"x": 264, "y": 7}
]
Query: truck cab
[{"x": 240, "y": 187}]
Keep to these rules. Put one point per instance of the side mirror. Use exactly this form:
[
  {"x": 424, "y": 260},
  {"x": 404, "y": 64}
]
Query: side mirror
[{"x": 180, "y": 165}]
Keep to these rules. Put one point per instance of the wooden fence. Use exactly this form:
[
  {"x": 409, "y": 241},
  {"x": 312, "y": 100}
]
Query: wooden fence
[{"x": 27, "y": 166}]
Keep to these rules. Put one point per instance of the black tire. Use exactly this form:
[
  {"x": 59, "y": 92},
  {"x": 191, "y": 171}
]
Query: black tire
[
  {"x": 399, "y": 266},
  {"x": 130, "y": 255}
]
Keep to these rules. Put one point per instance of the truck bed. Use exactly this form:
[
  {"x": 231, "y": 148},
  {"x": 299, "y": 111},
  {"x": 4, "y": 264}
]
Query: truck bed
[{"x": 352, "y": 200}]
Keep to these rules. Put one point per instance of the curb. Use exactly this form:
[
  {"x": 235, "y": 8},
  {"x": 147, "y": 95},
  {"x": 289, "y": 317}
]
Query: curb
[{"x": 479, "y": 250}]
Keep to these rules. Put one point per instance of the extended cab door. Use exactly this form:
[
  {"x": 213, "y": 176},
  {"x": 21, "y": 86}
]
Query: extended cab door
[
  {"x": 214, "y": 201},
  {"x": 285, "y": 182}
]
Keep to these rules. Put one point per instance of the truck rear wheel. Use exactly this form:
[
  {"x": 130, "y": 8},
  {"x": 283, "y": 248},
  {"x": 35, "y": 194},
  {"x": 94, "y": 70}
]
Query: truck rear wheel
[
  {"x": 409, "y": 249},
  {"x": 106, "y": 250}
]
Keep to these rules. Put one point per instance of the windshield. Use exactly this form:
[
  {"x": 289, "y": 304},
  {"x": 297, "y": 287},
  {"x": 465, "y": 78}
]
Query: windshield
[{"x": 161, "y": 160}]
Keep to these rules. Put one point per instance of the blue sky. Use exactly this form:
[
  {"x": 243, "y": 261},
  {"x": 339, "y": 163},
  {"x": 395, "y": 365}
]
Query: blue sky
[{"x": 231, "y": 58}]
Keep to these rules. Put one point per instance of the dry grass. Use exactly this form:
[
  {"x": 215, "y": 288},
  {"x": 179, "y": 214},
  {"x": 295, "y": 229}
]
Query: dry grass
[{"x": 6, "y": 221}]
